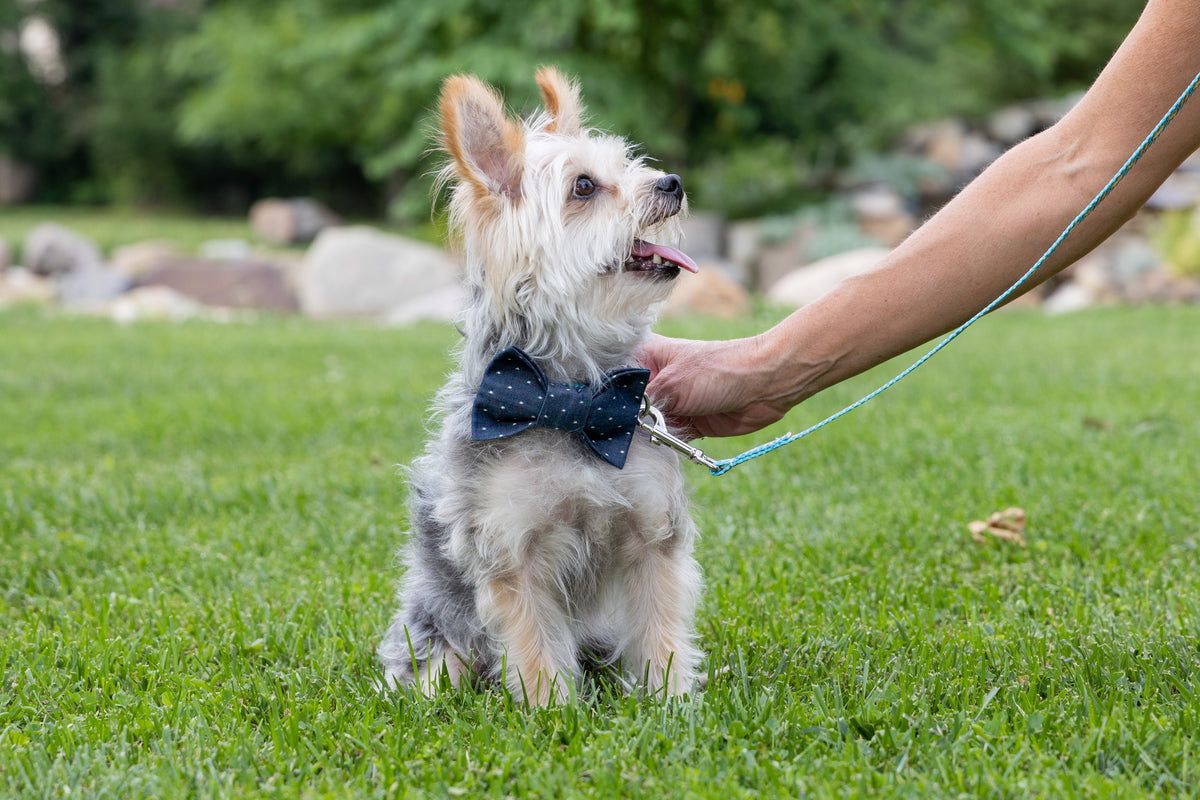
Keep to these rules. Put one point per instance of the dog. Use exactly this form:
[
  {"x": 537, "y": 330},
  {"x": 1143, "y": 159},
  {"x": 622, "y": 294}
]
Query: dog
[{"x": 530, "y": 550}]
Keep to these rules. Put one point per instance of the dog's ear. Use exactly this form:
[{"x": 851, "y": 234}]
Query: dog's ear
[
  {"x": 561, "y": 97},
  {"x": 486, "y": 145}
]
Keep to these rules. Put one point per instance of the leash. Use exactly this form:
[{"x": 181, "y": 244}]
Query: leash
[{"x": 718, "y": 467}]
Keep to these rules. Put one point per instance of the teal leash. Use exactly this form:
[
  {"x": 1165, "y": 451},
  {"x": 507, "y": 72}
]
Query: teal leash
[{"x": 724, "y": 465}]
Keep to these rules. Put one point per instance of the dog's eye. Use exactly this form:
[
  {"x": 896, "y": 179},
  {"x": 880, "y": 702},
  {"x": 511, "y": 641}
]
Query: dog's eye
[{"x": 584, "y": 188}]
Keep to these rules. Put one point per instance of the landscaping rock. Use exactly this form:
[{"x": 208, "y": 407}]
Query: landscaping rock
[
  {"x": 360, "y": 271},
  {"x": 940, "y": 142},
  {"x": 296, "y": 220},
  {"x": 711, "y": 292},
  {"x": 227, "y": 249},
  {"x": 1179, "y": 192},
  {"x": 814, "y": 280},
  {"x": 159, "y": 303},
  {"x": 1052, "y": 110},
  {"x": 51, "y": 250},
  {"x": 977, "y": 153},
  {"x": 440, "y": 305},
  {"x": 19, "y": 286},
  {"x": 1068, "y": 298},
  {"x": 703, "y": 235},
  {"x": 226, "y": 283},
  {"x": 90, "y": 285},
  {"x": 881, "y": 214},
  {"x": 779, "y": 259},
  {"x": 16, "y": 181},
  {"x": 1010, "y": 125},
  {"x": 137, "y": 259},
  {"x": 743, "y": 245}
]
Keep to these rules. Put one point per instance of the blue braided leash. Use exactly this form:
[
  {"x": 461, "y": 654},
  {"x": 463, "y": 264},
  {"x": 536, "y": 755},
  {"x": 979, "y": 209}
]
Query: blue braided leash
[{"x": 726, "y": 464}]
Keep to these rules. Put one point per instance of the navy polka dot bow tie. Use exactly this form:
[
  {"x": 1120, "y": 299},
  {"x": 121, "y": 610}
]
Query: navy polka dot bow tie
[{"x": 515, "y": 396}]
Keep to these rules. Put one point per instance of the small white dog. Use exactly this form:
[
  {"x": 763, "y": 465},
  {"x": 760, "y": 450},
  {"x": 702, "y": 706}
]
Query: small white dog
[{"x": 548, "y": 533}]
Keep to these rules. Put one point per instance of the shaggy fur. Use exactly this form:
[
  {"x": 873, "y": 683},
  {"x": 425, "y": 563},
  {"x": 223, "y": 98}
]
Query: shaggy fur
[{"x": 527, "y": 551}]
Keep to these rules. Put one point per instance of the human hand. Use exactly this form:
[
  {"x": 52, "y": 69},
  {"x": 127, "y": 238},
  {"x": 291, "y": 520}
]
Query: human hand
[{"x": 722, "y": 388}]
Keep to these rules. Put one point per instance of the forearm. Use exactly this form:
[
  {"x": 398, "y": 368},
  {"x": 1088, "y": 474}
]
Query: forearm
[{"x": 988, "y": 236}]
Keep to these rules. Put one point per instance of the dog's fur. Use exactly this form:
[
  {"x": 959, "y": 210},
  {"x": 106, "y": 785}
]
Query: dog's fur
[{"x": 527, "y": 551}]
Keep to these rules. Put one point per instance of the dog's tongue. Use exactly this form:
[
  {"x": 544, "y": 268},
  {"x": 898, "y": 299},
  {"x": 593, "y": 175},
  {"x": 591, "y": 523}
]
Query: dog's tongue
[{"x": 678, "y": 258}]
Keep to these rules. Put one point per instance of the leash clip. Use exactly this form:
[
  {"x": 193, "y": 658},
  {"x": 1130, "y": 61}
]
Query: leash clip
[{"x": 659, "y": 435}]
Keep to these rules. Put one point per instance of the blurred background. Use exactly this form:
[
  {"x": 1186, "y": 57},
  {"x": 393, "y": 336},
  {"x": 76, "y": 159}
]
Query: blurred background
[{"x": 197, "y": 149}]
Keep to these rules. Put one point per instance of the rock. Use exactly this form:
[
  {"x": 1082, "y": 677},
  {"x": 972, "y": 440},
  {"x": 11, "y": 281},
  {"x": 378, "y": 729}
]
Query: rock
[
  {"x": 1068, "y": 298},
  {"x": 226, "y": 283},
  {"x": 1180, "y": 191},
  {"x": 50, "y": 250},
  {"x": 137, "y": 259},
  {"x": 440, "y": 305},
  {"x": 16, "y": 182},
  {"x": 1010, "y": 125},
  {"x": 941, "y": 143},
  {"x": 359, "y": 271},
  {"x": 812, "y": 281},
  {"x": 743, "y": 245},
  {"x": 781, "y": 258},
  {"x": 703, "y": 235},
  {"x": 158, "y": 303},
  {"x": 1130, "y": 258},
  {"x": 290, "y": 221},
  {"x": 1161, "y": 286},
  {"x": 711, "y": 292},
  {"x": 90, "y": 286},
  {"x": 19, "y": 286},
  {"x": 881, "y": 214},
  {"x": 1048, "y": 112},
  {"x": 977, "y": 153},
  {"x": 229, "y": 249},
  {"x": 5, "y": 255}
]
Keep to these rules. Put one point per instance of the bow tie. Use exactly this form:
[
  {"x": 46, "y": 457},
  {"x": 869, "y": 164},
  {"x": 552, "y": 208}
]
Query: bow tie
[{"x": 515, "y": 395}]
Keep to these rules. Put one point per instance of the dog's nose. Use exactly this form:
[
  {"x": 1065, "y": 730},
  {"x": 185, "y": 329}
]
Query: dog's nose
[{"x": 670, "y": 185}]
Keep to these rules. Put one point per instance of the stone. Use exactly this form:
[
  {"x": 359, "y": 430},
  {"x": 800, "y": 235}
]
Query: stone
[
  {"x": 1180, "y": 191},
  {"x": 440, "y": 305},
  {"x": 158, "y": 303},
  {"x": 1049, "y": 111},
  {"x": 296, "y": 220},
  {"x": 977, "y": 153},
  {"x": 703, "y": 235},
  {"x": 360, "y": 271},
  {"x": 136, "y": 259},
  {"x": 1068, "y": 298},
  {"x": 711, "y": 292},
  {"x": 52, "y": 250},
  {"x": 941, "y": 143},
  {"x": 882, "y": 215},
  {"x": 90, "y": 286},
  {"x": 743, "y": 245},
  {"x": 5, "y": 255},
  {"x": 226, "y": 283},
  {"x": 810, "y": 282},
  {"x": 1012, "y": 124},
  {"x": 17, "y": 181},
  {"x": 228, "y": 249},
  {"x": 19, "y": 286},
  {"x": 1161, "y": 286},
  {"x": 781, "y": 258}
]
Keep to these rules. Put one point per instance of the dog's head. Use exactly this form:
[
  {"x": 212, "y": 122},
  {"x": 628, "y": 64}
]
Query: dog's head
[{"x": 566, "y": 232}]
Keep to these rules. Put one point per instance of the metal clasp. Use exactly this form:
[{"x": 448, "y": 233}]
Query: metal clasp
[{"x": 659, "y": 435}]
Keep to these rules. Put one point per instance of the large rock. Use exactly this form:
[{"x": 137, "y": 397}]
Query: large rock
[
  {"x": 296, "y": 220},
  {"x": 19, "y": 286},
  {"x": 1012, "y": 124},
  {"x": 1070, "y": 297},
  {"x": 781, "y": 257},
  {"x": 814, "y": 280},
  {"x": 136, "y": 259},
  {"x": 882, "y": 215},
  {"x": 226, "y": 283},
  {"x": 703, "y": 235},
  {"x": 226, "y": 249},
  {"x": 743, "y": 245},
  {"x": 90, "y": 286},
  {"x": 157, "y": 303},
  {"x": 50, "y": 249},
  {"x": 1179, "y": 192},
  {"x": 16, "y": 181},
  {"x": 711, "y": 292},
  {"x": 440, "y": 305},
  {"x": 359, "y": 271}
]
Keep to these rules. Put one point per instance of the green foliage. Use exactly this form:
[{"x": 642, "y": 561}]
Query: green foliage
[
  {"x": 1176, "y": 236},
  {"x": 755, "y": 102},
  {"x": 198, "y": 526}
]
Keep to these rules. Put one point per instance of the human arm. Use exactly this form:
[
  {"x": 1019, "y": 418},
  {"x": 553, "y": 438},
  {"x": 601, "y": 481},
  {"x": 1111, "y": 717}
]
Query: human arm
[{"x": 964, "y": 256}]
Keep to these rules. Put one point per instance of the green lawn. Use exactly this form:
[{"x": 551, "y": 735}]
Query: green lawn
[{"x": 197, "y": 537}]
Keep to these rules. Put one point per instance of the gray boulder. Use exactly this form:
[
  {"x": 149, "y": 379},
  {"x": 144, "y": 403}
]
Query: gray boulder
[
  {"x": 810, "y": 282},
  {"x": 139, "y": 258},
  {"x": 90, "y": 285},
  {"x": 226, "y": 283},
  {"x": 52, "y": 250},
  {"x": 1010, "y": 125},
  {"x": 703, "y": 235},
  {"x": 360, "y": 271},
  {"x": 297, "y": 220},
  {"x": 440, "y": 305}
]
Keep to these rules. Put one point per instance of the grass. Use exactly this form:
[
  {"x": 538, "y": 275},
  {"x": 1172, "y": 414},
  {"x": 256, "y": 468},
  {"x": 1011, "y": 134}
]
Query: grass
[
  {"x": 112, "y": 227},
  {"x": 198, "y": 524}
]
